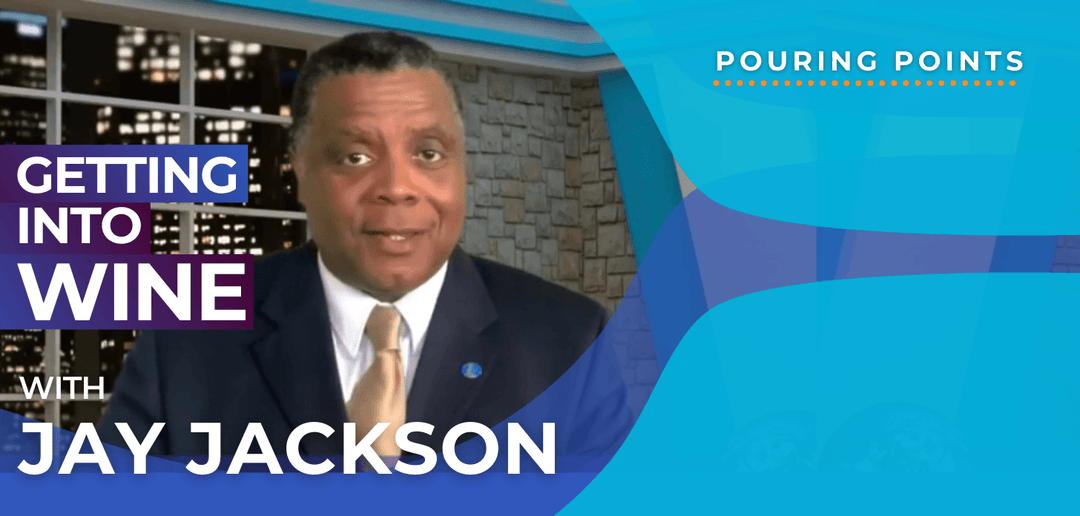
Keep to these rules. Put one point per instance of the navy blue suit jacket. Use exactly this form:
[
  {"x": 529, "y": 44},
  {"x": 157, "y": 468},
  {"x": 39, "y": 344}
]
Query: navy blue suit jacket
[{"x": 522, "y": 330}]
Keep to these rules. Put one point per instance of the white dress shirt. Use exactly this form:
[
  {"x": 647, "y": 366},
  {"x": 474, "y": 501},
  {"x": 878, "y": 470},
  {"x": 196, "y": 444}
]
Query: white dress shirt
[{"x": 349, "y": 311}]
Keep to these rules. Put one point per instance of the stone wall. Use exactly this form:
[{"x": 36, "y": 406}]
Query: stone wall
[{"x": 542, "y": 193}]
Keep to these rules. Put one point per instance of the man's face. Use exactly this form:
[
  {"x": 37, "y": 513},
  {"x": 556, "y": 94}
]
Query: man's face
[{"x": 381, "y": 172}]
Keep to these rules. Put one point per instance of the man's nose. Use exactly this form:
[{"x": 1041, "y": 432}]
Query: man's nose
[{"x": 396, "y": 183}]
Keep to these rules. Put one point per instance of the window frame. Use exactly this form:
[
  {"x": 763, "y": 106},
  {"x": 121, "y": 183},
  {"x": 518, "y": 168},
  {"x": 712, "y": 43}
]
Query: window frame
[{"x": 55, "y": 98}]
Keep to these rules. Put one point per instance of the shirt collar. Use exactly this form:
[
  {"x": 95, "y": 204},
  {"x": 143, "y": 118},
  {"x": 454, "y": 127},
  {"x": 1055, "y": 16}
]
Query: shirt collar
[{"x": 350, "y": 308}]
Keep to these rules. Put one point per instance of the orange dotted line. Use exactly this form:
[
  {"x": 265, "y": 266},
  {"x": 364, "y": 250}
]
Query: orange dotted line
[{"x": 868, "y": 83}]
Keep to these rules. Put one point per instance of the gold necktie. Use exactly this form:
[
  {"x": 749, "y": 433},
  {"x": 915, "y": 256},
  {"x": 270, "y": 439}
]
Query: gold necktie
[{"x": 379, "y": 396}]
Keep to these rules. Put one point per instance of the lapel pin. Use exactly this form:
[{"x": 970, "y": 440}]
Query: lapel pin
[{"x": 471, "y": 370}]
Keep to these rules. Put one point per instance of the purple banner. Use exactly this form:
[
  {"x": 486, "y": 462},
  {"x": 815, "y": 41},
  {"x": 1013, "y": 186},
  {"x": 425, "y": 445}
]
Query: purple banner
[
  {"x": 127, "y": 292},
  {"x": 75, "y": 228},
  {"x": 123, "y": 173}
]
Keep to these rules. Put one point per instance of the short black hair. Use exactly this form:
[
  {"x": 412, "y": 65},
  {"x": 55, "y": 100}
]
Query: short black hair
[{"x": 355, "y": 53}]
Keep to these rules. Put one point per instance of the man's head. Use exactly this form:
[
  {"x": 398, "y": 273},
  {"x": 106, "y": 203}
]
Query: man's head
[{"x": 377, "y": 144}]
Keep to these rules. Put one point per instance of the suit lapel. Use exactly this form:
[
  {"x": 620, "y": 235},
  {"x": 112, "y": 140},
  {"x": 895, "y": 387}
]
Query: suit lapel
[
  {"x": 440, "y": 393},
  {"x": 295, "y": 351}
]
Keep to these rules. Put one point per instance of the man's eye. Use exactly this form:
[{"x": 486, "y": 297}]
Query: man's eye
[
  {"x": 357, "y": 159},
  {"x": 430, "y": 156}
]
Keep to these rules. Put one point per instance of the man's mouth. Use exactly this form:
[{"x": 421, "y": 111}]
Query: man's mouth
[
  {"x": 395, "y": 235},
  {"x": 394, "y": 241}
]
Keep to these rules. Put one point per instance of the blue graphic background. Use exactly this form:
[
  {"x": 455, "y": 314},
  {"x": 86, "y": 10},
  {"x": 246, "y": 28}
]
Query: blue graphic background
[{"x": 906, "y": 374}]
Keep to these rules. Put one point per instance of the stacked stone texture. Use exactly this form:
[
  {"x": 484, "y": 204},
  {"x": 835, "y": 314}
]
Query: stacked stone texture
[{"x": 543, "y": 196}]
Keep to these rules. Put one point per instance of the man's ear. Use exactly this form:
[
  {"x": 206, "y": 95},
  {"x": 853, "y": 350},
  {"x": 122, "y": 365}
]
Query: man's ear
[{"x": 300, "y": 171}]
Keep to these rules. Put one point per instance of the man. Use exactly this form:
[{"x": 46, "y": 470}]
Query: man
[{"x": 382, "y": 319}]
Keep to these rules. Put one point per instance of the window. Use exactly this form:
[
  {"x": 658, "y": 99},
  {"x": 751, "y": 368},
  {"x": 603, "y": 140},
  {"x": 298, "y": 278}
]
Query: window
[
  {"x": 22, "y": 36},
  {"x": 121, "y": 61},
  {"x": 22, "y": 121},
  {"x": 76, "y": 81}
]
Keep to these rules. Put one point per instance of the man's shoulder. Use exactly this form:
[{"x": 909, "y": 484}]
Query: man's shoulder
[{"x": 514, "y": 289}]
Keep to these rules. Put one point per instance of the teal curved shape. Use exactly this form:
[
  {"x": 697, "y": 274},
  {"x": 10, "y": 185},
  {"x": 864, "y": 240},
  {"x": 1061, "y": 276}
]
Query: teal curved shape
[{"x": 987, "y": 361}]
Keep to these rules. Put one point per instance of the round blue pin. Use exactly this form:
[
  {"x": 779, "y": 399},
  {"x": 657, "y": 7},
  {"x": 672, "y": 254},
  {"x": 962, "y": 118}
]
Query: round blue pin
[{"x": 471, "y": 370}]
